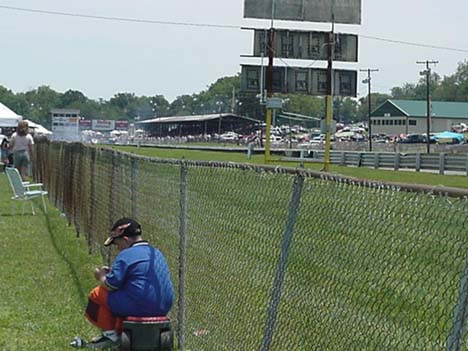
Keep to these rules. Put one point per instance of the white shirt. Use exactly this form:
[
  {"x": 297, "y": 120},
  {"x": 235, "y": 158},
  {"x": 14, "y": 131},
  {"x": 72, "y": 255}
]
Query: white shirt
[{"x": 21, "y": 143}]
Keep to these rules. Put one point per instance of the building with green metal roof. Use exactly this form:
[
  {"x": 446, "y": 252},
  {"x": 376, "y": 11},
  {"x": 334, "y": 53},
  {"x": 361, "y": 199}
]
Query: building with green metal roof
[{"x": 410, "y": 116}]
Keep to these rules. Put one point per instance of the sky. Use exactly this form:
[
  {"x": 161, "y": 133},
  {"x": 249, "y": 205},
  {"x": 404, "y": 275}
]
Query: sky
[{"x": 101, "y": 58}]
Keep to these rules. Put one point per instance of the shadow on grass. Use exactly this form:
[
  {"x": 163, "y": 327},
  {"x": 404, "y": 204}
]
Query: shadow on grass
[
  {"x": 15, "y": 215},
  {"x": 75, "y": 277}
]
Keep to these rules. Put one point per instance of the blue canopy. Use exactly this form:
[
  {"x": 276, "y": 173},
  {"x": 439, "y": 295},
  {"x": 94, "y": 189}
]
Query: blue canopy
[{"x": 450, "y": 135}]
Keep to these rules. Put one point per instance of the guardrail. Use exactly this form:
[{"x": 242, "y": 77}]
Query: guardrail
[
  {"x": 441, "y": 162},
  {"x": 419, "y": 161}
]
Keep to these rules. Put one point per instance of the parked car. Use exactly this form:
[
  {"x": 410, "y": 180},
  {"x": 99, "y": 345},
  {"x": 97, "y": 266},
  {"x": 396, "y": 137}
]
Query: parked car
[
  {"x": 417, "y": 139},
  {"x": 321, "y": 139},
  {"x": 229, "y": 136}
]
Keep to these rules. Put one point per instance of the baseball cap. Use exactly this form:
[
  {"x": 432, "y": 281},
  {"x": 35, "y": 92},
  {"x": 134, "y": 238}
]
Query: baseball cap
[{"x": 123, "y": 227}]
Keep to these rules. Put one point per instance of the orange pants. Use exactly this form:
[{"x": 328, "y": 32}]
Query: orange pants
[{"x": 99, "y": 313}]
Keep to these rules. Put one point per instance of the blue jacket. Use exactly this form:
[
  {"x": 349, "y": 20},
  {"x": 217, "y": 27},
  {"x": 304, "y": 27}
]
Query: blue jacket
[{"x": 139, "y": 282}]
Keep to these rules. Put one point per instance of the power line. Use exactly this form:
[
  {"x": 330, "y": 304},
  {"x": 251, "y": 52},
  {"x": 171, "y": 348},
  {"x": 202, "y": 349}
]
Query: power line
[
  {"x": 118, "y": 19},
  {"x": 414, "y": 44},
  {"x": 207, "y": 25}
]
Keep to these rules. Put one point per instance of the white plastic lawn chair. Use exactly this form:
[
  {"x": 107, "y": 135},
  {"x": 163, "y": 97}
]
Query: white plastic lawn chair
[{"x": 22, "y": 190}]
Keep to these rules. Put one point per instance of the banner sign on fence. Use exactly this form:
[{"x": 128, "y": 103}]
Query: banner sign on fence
[
  {"x": 121, "y": 125},
  {"x": 344, "y": 11},
  {"x": 85, "y": 124},
  {"x": 307, "y": 45},
  {"x": 291, "y": 80},
  {"x": 103, "y": 124}
]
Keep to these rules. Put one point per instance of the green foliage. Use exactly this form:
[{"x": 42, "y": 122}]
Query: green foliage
[
  {"x": 307, "y": 105},
  {"x": 224, "y": 86},
  {"x": 345, "y": 109},
  {"x": 183, "y": 105},
  {"x": 448, "y": 88},
  {"x": 123, "y": 100},
  {"x": 158, "y": 105},
  {"x": 218, "y": 98},
  {"x": 376, "y": 100},
  {"x": 71, "y": 98}
]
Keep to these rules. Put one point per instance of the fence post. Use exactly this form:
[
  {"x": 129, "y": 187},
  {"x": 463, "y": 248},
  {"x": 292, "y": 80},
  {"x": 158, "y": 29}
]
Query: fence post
[
  {"x": 343, "y": 159},
  {"x": 133, "y": 187},
  {"x": 460, "y": 316},
  {"x": 282, "y": 264},
  {"x": 418, "y": 162},
  {"x": 376, "y": 160},
  {"x": 359, "y": 159},
  {"x": 58, "y": 182},
  {"x": 396, "y": 164},
  {"x": 467, "y": 165},
  {"x": 112, "y": 196},
  {"x": 78, "y": 199},
  {"x": 92, "y": 199},
  {"x": 182, "y": 256},
  {"x": 441, "y": 163}
]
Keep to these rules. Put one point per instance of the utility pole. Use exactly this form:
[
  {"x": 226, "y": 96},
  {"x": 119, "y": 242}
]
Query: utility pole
[
  {"x": 329, "y": 99},
  {"x": 427, "y": 73},
  {"x": 368, "y": 82},
  {"x": 330, "y": 91},
  {"x": 269, "y": 83}
]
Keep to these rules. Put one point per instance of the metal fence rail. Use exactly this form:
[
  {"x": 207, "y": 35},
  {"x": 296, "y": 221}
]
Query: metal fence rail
[
  {"x": 269, "y": 259},
  {"x": 436, "y": 162}
]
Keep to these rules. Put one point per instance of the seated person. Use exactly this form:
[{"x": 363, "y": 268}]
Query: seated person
[{"x": 138, "y": 284}]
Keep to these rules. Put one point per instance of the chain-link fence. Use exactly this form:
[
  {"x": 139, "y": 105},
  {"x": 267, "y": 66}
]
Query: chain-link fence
[{"x": 267, "y": 259}]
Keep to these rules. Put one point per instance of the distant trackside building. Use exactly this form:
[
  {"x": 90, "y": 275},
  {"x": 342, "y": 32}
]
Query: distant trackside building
[{"x": 410, "y": 116}]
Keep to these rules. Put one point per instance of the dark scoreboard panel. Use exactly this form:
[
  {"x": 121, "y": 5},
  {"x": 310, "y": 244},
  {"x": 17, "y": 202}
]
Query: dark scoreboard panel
[
  {"x": 306, "y": 45},
  {"x": 298, "y": 80},
  {"x": 338, "y": 11}
]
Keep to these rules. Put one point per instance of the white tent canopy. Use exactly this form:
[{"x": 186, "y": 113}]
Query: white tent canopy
[
  {"x": 38, "y": 129},
  {"x": 8, "y": 118}
]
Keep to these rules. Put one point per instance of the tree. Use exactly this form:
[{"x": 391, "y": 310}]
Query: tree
[
  {"x": 159, "y": 106},
  {"x": 447, "y": 90},
  {"x": 224, "y": 86},
  {"x": 306, "y": 105},
  {"x": 182, "y": 106},
  {"x": 347, "y": 111},
  {"x": 17, "y": 103},
  {"x": 406, "y": 92},
  {"x": 461, "y": 82},
  {"x": 128, "y": 103},
  {"x": 123, "y": 100},
  {"x": 71, "y": 99},
  {"x": 376, "y": 100},
  {"x": 39, "y": 102}
]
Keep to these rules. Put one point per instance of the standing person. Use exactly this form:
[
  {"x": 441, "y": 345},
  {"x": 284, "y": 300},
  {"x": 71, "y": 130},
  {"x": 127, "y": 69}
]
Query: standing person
[
  {"x": 21, "y": 145},
  {"x": 138, "y": 284},
  {"x": 5, "y": 152}
]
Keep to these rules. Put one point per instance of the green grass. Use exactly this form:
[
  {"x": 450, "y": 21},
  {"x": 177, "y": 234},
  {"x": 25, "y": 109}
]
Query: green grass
[
  {"x": 45, "y": 277},
  {"x": 410, "y": 177}
]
